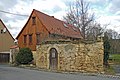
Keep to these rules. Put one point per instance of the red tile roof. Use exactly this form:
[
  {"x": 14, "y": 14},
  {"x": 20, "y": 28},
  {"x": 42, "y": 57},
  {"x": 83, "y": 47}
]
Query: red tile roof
[
  {"x": 55, "y": 26},
  {"x": 13, "y": 47}
]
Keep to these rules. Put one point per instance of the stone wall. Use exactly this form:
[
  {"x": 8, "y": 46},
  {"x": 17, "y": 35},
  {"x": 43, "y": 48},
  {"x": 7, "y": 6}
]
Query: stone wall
[
  {"x": 79, "y": 56},
  {"x": 13, "y": 53},
  {"x": 34, "y": 57}
]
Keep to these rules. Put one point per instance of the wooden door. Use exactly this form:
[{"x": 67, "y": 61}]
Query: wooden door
[{"x": 53, "y": 58}]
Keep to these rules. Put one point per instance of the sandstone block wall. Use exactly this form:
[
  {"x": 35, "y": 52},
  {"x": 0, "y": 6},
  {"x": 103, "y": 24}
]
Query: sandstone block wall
[
  {"x": 34, "y": 57},
  {"x": 85, "y": 57}
]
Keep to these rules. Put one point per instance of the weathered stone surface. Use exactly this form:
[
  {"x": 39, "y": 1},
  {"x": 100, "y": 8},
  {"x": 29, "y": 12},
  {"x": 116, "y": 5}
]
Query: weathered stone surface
[
  {"x": 13, "y": 53},
  {"x": 72, "y": 57}
]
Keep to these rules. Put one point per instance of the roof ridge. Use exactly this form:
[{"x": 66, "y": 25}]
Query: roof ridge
[
  {"x": 71, "y": 27},
  {"x": 50, "y": 22},
  {"x": 42, "y": 13},
  {"x": 40, "y": 19},
  {"x": 53, "y": 17}
]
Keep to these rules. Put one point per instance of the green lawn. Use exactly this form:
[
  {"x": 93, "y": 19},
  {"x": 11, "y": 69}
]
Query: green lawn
[{"x": 114, "y": 57}]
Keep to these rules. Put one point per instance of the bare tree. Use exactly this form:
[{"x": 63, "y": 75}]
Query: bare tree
[
  {"x": 118, "y": 36},
  {"x": 114, "y": 40},
  {"x": 112, "y": 34},
  {"x": 79, "y": 16},
  {"x": 115, "y": 35},
  {"x": 95, "y": 31}
]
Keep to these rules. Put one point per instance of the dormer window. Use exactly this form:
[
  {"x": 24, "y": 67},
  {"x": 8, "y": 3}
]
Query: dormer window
[
  {"x": 33, "y": 20},
  {"x": 65, "y": 25},
  {"x": 74, "y": 29}
]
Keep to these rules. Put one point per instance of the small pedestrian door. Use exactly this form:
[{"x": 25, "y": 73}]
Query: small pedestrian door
[{"x": 53, "y": 58}]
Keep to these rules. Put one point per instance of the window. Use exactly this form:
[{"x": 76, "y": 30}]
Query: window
[
  {"x": 65, "y": 25},
  {"x": 30, "y": 39},
  {"x": 25, "y": 39},
  {"x": 38, "y": 38},
  {"x": 33, "y": 20},
  {"x": 1, "y": 31}
]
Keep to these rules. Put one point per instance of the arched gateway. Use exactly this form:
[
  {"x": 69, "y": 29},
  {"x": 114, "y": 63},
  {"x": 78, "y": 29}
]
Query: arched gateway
[{"x": 53, "y": 59}]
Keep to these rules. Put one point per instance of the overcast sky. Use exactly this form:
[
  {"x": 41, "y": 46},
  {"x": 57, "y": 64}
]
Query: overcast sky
[{"x": 106, "y": 11}]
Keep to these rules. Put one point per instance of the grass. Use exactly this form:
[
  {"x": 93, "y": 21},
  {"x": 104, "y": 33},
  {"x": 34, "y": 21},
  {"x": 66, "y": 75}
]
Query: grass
[
  {"x": 115, "y": 58},
  {"x": 109, "y": 70}
]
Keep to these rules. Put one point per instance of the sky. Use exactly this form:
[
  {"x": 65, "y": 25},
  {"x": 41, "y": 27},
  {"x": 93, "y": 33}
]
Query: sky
[{"x": 106, "y": 12}]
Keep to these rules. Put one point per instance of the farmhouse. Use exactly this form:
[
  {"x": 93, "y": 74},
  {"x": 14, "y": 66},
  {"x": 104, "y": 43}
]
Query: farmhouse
[
  {"x": 41, "y": 27},
  {"x": 57, "y": 45},
  {"x": 6, "y": 41}
]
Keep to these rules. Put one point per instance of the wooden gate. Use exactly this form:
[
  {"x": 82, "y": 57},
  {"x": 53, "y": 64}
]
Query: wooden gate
[
  {"x": 4, "y": 57},
  {"x": 53, "y": 58}
]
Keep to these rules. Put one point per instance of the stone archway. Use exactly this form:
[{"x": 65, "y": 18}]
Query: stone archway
[{"x": 53, "y": 59}]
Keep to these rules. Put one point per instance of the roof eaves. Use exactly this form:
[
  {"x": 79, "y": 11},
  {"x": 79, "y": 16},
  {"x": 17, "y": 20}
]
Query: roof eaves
[
  {"x": 66, "y": 36},
  {"x": 44, "y": 25}
]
